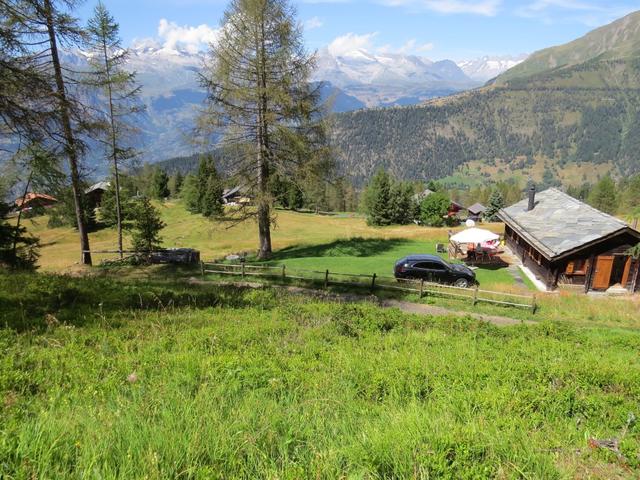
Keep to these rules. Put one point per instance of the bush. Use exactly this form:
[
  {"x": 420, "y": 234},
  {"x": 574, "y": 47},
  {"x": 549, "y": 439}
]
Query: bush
[{"x": 434, "y": 209}]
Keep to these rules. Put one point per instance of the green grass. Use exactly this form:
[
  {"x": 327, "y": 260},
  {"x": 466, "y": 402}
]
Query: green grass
[
  {"x": 370, "y": 255},
  {"x": 230, "y": 383}
]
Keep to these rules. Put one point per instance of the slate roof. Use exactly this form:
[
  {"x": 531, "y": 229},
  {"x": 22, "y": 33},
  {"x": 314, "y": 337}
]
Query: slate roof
[
  {"x": 422, "y": 195},
  {"x": 477, "y": 208},
  {"x": 98, "y": 186},
  {"x": 559, "y": 223},
  {"x": 229, "y": 192}
]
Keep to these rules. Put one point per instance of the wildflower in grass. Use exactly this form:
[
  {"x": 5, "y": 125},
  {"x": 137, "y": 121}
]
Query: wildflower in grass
[{"x": 132, "y": 378}]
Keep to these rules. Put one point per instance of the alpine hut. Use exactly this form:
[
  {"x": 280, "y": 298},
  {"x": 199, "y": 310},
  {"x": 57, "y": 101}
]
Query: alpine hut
[{"x": 563, "y": 241}]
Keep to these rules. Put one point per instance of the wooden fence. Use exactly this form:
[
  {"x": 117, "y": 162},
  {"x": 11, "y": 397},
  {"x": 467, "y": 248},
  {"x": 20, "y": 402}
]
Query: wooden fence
[{"x": 373, "y": 282}]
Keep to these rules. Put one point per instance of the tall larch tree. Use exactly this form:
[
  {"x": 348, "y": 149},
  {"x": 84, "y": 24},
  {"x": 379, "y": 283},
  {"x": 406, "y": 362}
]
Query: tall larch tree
[
  {"x": 120, "y": 94},
  {"x": 44, "y": 26},
  {"x": 260, "y": 98}
]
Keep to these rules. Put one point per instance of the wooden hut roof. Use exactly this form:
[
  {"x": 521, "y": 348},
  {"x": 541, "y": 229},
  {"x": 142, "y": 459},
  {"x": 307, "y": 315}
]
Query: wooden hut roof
[
  {"x": 104, "y": 186},
  {"x": 30, "y": 197},
  {"x": 559, "y": 224},
  {"x": 477, "y": 208}
]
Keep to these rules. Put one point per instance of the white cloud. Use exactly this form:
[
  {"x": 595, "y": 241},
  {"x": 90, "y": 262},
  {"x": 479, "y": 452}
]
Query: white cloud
[
  {"x": 410, "y": 47},
  {"x": 487, "y": 8},
  {"x": 192, "y": 39},
  {"x": 350, "y": 42},
  {"x": 425, "y": 47},
  {"x": 542, "y": 5},
  {"x": 313, "y": 23}
]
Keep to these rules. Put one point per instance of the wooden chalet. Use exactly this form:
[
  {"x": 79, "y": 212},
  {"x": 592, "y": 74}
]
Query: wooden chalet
[
  {"x": 235, "y": 196},
  {"x": 566, "y": 242},
  {"x": 95, "y": 192}
]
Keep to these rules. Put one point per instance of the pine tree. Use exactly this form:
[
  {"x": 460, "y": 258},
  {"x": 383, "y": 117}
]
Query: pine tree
[
  {"x": 146, "y": 226},
  {"x": 260, "y": 97},
  {"x": 202, "y": 192},
  {"x": 108, "y": 209},
  {"x": 496, "y": 202},
  {"x": 190, "y": 194},
  {"x": 120, "y": 91},
  {"x": 211, "y": 199},
  {"x": 401, "y": 203},
  {"x": 377, "y": 200},
  {"x": 175, "y": 184},
  {"x": 160, "y": 184},
  {"x": 603, "y": 196}
]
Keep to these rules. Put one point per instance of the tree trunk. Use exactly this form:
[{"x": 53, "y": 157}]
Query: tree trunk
[
  {"x": 114, "y": 147},
  {"x": 264, "y": 207},
  {"x": 70, "y": 144}
]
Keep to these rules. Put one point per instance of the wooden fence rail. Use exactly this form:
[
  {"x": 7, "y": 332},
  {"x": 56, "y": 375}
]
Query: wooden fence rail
[{"x": 373, "y": 282}]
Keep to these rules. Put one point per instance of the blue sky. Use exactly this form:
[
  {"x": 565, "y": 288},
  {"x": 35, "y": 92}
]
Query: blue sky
[{"x": 438, "y": 29}]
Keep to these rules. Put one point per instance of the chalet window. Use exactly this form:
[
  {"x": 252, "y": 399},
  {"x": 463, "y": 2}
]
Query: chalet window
[{"x": 577, "y": 267}]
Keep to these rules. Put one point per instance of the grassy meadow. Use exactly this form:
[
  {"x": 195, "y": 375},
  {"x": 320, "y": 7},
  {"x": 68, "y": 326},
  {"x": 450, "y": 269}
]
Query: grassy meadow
[
  {"x": 344, "y": 244},
  {"x": 109, "y": 379}
]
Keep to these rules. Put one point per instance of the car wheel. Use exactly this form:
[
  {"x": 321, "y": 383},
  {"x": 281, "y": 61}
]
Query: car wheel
[{"x": 462, "y": 283}]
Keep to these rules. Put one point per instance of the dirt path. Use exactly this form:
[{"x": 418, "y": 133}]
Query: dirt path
[
  {"x": 407, "y": 307},
  {"x": 422, "y": 309}
]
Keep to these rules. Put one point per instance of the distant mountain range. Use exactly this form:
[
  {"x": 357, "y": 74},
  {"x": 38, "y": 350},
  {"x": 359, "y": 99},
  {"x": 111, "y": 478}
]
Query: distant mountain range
[
  {"x": 351, "y": 81},
  {"x": 570, "y": 112}
]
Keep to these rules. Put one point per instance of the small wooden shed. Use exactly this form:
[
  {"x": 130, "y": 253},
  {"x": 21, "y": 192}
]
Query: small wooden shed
[
  {"x": 564, "y": 241},
  {"x": 476, "y": 211}
]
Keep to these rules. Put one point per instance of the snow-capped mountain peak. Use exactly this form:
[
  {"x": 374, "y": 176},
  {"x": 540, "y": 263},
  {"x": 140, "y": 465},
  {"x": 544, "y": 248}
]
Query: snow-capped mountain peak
[{"x": 485, "y": 68}]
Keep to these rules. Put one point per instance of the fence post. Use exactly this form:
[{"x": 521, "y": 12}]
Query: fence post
[
  {"x": 326, "y": 279},
  {"x": 534, "y": 304},
  {"x": 202, "y": 267},
  {"x": 421, "y": 287},
  {"x": 242, "y": 269},
  {"x": 475, "y": 295},
  {"x": 284, "y": 275},
  {"x": 373, "y": 282}
]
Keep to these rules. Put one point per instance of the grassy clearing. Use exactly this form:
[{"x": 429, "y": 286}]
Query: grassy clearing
[
  {"x": 252, "y": 384},
  {"x": 371, "y": 255},
  {"x": 217, "y": 239}
]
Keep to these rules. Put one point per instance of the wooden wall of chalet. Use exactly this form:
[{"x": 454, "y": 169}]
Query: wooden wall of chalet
[{"x": 530, "y": 257}]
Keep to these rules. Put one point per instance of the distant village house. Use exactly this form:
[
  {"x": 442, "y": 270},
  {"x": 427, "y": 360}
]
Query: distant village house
[
  {"x": 34, "y": 201},
  {"x": 95, "y": 192},
  {"x": 454, "y": 207},
  {"x": 476, "y": 212},
  {"x": 235, "y": 196}
]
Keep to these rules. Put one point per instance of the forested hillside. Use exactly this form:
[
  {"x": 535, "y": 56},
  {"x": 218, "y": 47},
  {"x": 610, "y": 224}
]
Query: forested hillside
[{"x": 588, "y": 113}]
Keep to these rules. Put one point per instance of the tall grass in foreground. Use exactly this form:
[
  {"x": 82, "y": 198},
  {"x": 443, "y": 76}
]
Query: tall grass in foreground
[{"x": 294, "y": 388}]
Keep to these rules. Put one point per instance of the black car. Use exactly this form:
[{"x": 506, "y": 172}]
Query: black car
[{"x": 434, "y": 269}]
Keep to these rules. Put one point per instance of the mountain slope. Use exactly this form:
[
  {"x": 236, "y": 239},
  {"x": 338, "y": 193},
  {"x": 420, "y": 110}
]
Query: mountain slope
[
  {"x": 617, "y": 40},
  {"x": 572, "y": 121}
]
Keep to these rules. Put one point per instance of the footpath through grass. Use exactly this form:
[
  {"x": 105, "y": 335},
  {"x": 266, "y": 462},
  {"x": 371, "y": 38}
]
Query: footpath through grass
[{"x": 101, "y": 378}]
